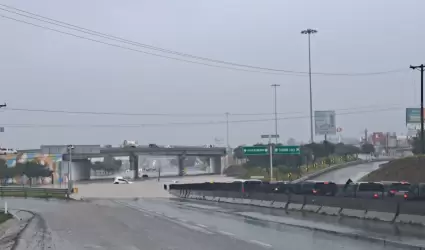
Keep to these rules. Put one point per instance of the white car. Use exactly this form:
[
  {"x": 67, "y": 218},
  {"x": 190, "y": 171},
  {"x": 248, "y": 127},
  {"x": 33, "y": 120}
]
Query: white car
[
  {"x": 168, "y": 146},
  {"x": 121, "y": 180},
  {"x": 129, "y": 144},
  {"x": 6, "y": 151}
]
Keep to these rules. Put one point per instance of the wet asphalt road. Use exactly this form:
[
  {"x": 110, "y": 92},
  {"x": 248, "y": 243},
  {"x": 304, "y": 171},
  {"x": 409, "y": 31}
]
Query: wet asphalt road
[
  {"x": 356, "y": 172},
  {"x": 151, "y": 224}
]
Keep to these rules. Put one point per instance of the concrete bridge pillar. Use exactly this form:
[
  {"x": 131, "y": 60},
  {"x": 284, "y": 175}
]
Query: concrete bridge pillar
[
  {"x": 134, "y": 164},
  {"x": 215, "y": 164},
  {"x": 180, "y": 160}
]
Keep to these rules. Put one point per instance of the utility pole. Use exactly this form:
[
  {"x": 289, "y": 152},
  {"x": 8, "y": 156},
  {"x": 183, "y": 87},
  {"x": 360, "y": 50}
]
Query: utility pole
[
  {"x": 2, "y": 106},
  {"x": 227, "y": 129},
  {"x": 275, "y": 110},
  {"x": 309, "y": 32},
  {"x": 365, "y": 136},
  {"x": 228, "y": 153},
  {"x": 421, "y": 68}
]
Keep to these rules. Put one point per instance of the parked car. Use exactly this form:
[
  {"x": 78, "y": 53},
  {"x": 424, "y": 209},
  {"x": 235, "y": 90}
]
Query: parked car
[{"x": 153, "y": 145}]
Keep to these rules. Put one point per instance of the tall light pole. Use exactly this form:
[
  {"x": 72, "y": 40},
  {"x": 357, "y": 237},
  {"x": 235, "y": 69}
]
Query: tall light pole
[
  {"x": 228, "y": 153},
  {"x": 309, "y": 32},
  {"x": 70, "y": 148},
  {"x": 275, "y": 109},
  {"x": 422, "y": 69}
]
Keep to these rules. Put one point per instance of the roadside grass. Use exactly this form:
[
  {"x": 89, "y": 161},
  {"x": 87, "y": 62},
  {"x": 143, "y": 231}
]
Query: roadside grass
[
  {"x": 280, "y": 174},
  {"x": 4, "y": 217}
]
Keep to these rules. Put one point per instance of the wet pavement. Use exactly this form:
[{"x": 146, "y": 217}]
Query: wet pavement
[
  {"x": 161, "y": 223},
  {"x": 276, "y": 226},
  {"x": 355, "y": 172}
]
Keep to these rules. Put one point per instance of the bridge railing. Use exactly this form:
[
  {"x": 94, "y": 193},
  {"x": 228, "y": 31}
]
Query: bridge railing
[{"x": 33, "y": 192}]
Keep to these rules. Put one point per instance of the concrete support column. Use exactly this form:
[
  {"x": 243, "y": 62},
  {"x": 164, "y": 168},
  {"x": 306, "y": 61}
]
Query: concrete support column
[
  {"x": 215, "y": 164},
  {"x": 180, "y": 160},
  {"x": 134, "y": 164}
]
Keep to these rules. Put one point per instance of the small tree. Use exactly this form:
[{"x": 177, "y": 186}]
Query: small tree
[{"x": 368, "y": 148}]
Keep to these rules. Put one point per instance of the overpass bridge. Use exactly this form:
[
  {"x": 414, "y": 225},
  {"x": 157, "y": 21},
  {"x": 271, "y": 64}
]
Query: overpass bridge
[
  {"x": 214, "y": 154},
  {"x": 81, "y": 154}
]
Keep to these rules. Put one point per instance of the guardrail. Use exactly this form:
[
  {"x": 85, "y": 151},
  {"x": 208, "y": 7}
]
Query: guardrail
[
  {"x": 391, "y": 210},
  {"x": 16, "y": 191}
]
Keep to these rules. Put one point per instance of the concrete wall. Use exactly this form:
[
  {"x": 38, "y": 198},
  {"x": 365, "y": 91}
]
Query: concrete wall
[{"x": 80, "y": 170}]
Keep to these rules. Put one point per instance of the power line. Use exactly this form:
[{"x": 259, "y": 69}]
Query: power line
[
  {"x": 181, "y": 114},
  {"x": 181, "y": 123},
  {"x": 255, "y": 69}
]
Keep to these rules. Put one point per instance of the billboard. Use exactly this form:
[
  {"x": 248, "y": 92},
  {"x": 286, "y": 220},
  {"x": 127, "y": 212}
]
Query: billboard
[
  {"x": 413, "y": 115},
  {"x": 324, "y": 122}
]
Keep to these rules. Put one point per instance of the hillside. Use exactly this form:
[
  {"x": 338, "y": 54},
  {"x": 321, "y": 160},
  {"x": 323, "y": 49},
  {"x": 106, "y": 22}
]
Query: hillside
[{"x": 410, "y": 169}]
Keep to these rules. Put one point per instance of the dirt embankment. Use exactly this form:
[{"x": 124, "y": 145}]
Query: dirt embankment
[{"x": 410, "y": 169}]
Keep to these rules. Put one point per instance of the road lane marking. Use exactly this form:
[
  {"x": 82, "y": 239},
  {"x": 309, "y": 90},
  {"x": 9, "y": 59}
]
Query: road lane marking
[
  {"x": 201, "y": 225},
  {"x": 260, "y": 243},
  {"x": 226, "y": 233}
]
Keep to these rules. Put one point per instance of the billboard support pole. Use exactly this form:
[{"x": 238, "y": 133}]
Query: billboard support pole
[{"x": 421, "y": 67}]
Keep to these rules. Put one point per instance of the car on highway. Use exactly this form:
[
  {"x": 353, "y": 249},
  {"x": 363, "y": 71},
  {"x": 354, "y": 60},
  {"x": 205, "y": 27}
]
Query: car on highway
[
  {"x": 321, "y": 188},
  {"x": 396, "y": 188},
  {"x": 153, "y": 145},
  {"x": 129, "y": 144},
  {"x": 168, "y": 146},
  {"x": 248, "y": 185},
  {"x": 6, "y": 151},
  {"x": 371, "y": 190},
  {"x": 121, "y": 180},
  {"x": 416, "y": 192}
]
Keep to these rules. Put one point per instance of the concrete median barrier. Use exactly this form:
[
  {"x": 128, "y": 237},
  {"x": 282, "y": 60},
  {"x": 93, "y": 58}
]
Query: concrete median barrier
[{"x": 386, "y": 209}]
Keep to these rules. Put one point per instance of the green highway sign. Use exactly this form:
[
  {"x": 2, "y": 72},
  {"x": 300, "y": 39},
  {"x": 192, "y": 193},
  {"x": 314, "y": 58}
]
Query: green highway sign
[
  {"x": 256, "y": 150},
  {"x": 287, "y": 150}
]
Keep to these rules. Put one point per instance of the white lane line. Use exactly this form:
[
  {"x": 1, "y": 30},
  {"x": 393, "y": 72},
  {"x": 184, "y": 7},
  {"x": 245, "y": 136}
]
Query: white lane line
[
  {"x": 182, "y": 220},
  {"x": 226, "y": 233},
  {"x": 147, "y": 215},
  {"x": 261, "y": 243},
  {"x": 201, "y": 225}
]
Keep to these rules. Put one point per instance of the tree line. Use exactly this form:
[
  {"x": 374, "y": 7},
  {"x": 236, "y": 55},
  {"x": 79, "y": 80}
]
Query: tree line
[
  {"x": 309, "y": 153},
  {"x": 30, "y": 169}
]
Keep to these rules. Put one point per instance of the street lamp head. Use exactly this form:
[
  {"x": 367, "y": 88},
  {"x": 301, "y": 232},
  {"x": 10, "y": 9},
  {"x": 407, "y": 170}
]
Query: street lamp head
[
  {"x": 70, "y": 146},
  {"x": 309, "y": 31},
  {"x": 275, "y": 85}
]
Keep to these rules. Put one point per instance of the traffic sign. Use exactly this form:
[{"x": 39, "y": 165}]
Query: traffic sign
[
  {"x": 269, "y": 136},
  {"x": 287, "y": 150},
  {"x": 256, "y": 150}
]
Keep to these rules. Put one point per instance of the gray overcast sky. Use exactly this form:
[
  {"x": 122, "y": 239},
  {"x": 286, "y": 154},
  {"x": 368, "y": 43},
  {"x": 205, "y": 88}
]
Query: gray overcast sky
[{"x": 41, "y": 69}]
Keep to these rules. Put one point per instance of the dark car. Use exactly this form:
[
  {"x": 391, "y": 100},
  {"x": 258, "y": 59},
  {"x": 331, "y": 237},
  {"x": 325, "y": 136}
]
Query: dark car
[
  {"x": 373, "y": 190},
  {"x": 314, "y": 188},
  {"x": 152, "y": 145},
  {"x": 416, "y": 192},
  {"x": 396, "y": 188}
]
